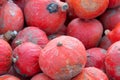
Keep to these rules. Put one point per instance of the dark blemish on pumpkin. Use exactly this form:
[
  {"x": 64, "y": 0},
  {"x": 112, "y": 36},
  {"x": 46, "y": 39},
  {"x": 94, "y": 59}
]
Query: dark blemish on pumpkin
[
  {"x": 88, "y": 55},
  {"x": 50, "y": 37},
  {"x": 2, "y": 25},
  {"x": 111, "y": 13},
  {"x": 18, "y": 71},
  {"x": 52, "y": 8},
  {"x": 24, "y": 75},
  {"x": 68, "y": 72},
  {"x": 31, "y": 37},
  {"x": 118, "y": 49},
  {"x": 117, "y": 70}
]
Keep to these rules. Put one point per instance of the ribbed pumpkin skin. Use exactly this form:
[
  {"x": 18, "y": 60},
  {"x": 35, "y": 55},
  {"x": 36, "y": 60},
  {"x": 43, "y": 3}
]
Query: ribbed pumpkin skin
[
  {"x": 5, "y": 57},
  {"x": 11, "y": 17},
  {"x": 30, "y": 34},
  {"x": 63, "y": 58},
  {"x": 91, "y": 73},
  {"x": 25, "y": 58}
]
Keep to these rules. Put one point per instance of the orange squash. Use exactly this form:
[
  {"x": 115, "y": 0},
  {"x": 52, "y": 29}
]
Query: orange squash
[
  {"x": 63, "y": 58},
  {"x": 88, "y": 9}
]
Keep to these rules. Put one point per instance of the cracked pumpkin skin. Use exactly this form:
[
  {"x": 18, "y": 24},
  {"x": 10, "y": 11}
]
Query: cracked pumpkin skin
[
  {"x": 88, "y": 9},
  {"x": 63, "y": 58}
]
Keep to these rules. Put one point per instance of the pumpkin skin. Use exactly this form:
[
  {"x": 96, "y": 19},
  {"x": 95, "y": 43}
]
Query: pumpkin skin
[
  {"x": 96, "y": 58},
  {"x": 48, "y": 15},
  {"x": 114, "y": 3},
  {"x": 25, "y": 58},
  {"x": 11, "y": 17},
  {"x": 91, "y": 73},
  {"x": 112, "y": 61},
  {"x": 8, "y": 77},
  {"x": 61, "y": 31},
  {"x": 105, "y": 42},
  {"x": 110, "y": 18},
  {"x": 87, "y": 31},
  {"x": 88, "y": 9},
  {"x": 5, "y": 56},
  {"x": 30, "y": 34},
  {"x": 63, "y": 58},
  {"x": 2, "y": 2},
  {"x": 21, "y": 3},
  {"x": 40, "y": 76}
]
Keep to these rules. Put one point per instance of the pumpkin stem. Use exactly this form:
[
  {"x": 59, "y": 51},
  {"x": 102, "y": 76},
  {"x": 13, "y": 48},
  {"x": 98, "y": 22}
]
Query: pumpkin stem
[
  {"x": 9, "y": 35},
  {"x": 64, "y": 7},
  {"x": 59, "y": 44},
  {"x": 18, "y": 42},
  {"x": 52, "y": 8},
  {"x": 14, "y": 59},
  {"x": 107, "y": 32}
]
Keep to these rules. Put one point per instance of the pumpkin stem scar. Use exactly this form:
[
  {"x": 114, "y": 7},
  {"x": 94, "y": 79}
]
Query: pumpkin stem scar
[
  {"x": 59, "y": 44},
  {"x": 52, "y": 8}
]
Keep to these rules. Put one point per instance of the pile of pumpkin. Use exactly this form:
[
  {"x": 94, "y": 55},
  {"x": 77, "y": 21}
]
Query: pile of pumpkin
[{"x": 59, "y": 40}]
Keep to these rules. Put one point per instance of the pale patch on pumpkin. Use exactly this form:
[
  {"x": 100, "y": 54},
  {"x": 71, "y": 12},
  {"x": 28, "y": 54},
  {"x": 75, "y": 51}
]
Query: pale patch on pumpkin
[
  {"x": 89, "y": 5},
  {"x": 68, "y": 72},
  {"x": 12, "y": 13}
]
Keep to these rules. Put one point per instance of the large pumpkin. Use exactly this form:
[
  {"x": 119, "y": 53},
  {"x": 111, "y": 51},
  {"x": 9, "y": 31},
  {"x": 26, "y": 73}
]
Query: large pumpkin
[{"x": 63, "y": 58}]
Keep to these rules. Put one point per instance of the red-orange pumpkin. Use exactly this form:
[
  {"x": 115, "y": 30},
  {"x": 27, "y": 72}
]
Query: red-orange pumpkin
[
  {"x": 112, "y": 61},
  {"x": 11, "y": 17},
  {"x": 63, "y": 58},
  {"x": 30, "y": 34},
  {"x": 25, "y": 58},
  {"x": 88, "y": 9},
  {"x": 5, "y": 56},
  {"x": 48, "y": 15}
]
